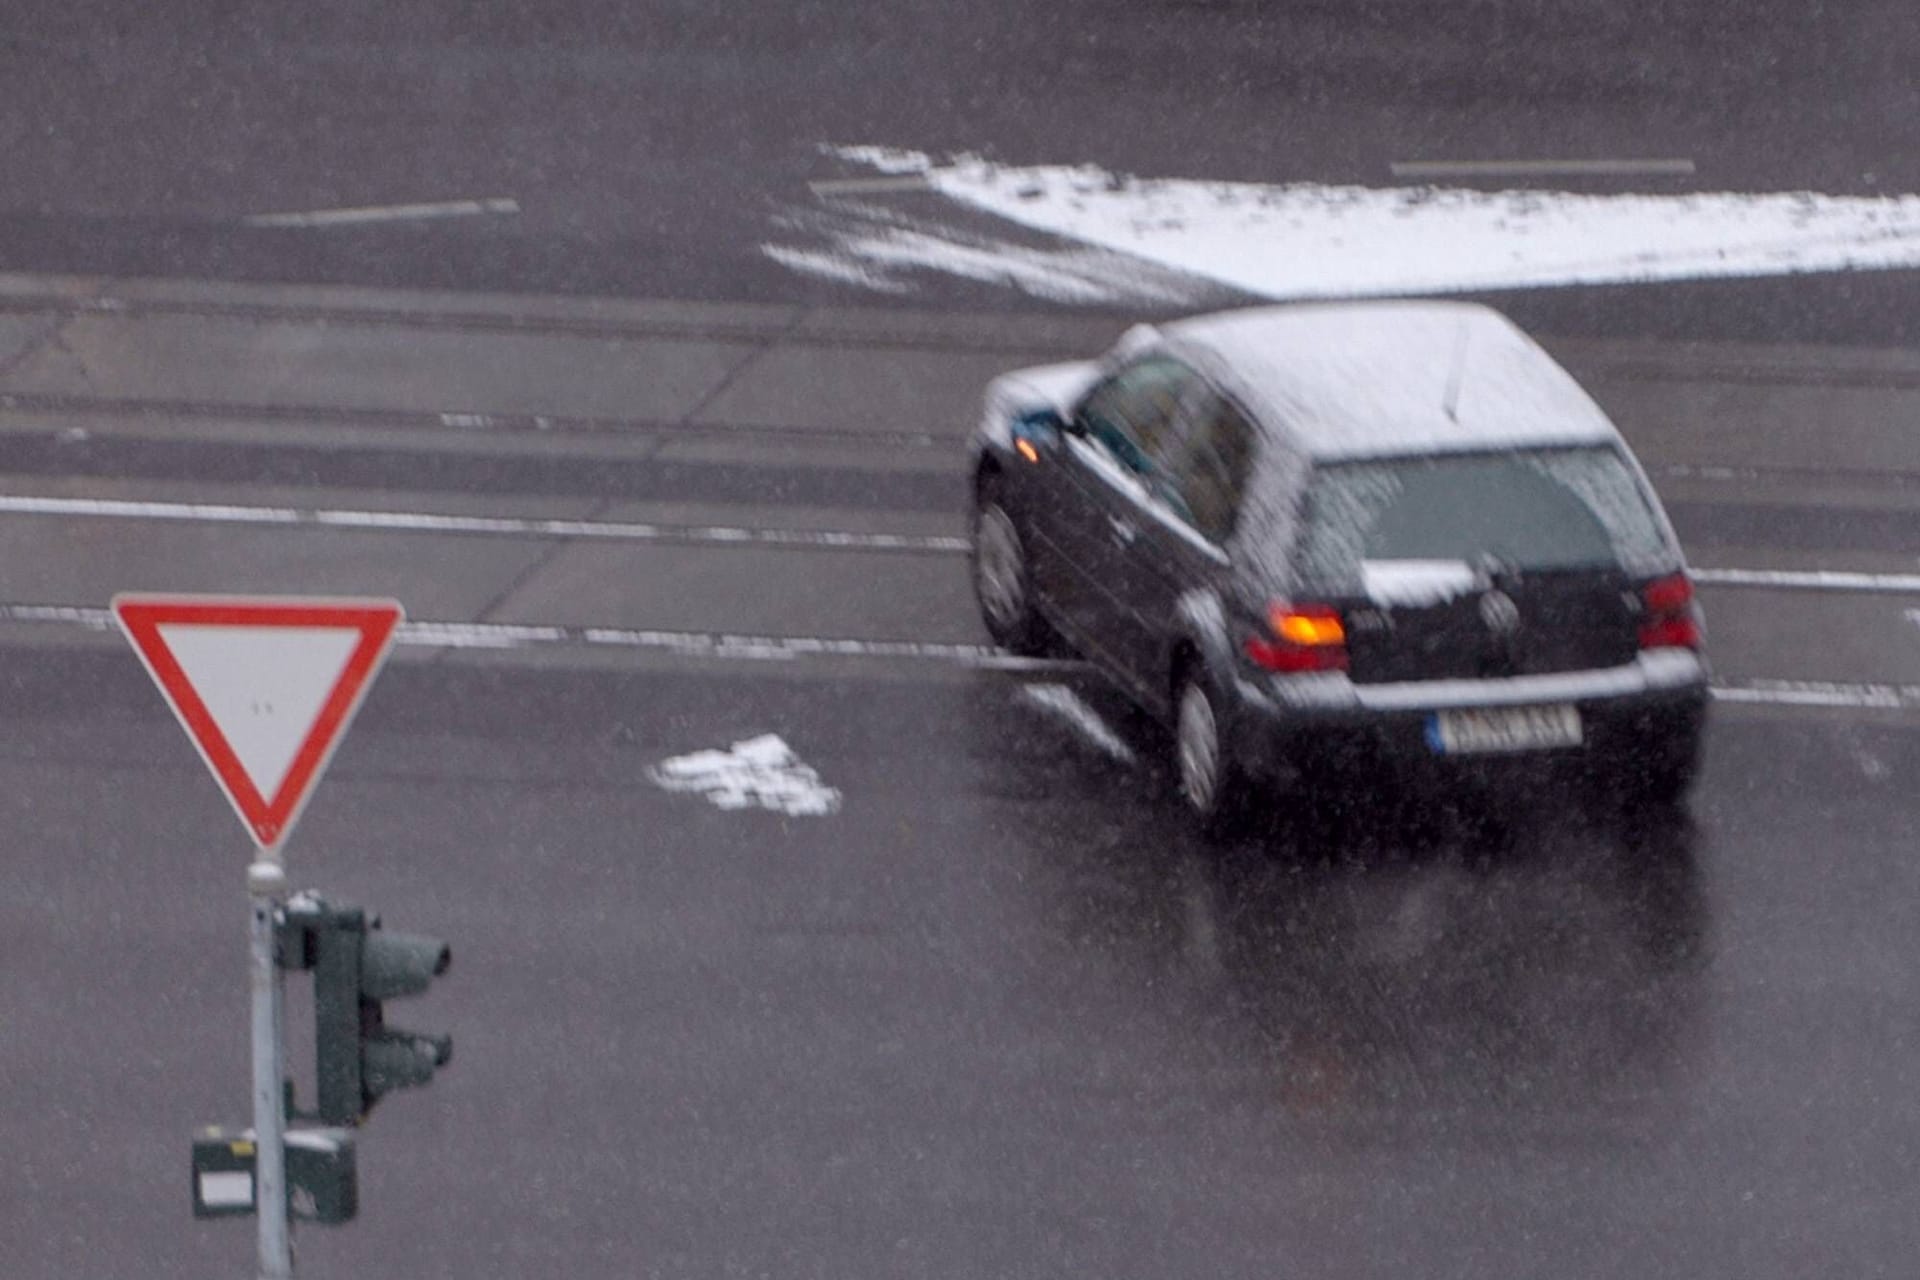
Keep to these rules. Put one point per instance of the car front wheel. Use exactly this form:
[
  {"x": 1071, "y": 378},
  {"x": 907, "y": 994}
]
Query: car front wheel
[{"x": 1003, "y": 583}]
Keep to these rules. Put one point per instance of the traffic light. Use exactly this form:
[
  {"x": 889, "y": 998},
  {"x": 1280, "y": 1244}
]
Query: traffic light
[{"x": 357, "y": 965}]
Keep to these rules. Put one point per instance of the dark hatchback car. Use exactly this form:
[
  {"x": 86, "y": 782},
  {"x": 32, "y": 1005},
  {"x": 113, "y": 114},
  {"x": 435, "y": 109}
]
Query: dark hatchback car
[{"x": 1324, "y": 537}]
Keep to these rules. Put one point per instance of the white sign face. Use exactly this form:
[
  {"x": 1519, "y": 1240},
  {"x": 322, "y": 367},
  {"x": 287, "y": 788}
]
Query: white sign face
[{"x": 264, "y": 687}]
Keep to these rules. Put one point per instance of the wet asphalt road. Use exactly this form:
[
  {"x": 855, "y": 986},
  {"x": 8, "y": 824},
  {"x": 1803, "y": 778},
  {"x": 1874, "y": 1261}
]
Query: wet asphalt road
[
  {"x": 998, "y": 1015},
  {"x": 651, "y": 149}
]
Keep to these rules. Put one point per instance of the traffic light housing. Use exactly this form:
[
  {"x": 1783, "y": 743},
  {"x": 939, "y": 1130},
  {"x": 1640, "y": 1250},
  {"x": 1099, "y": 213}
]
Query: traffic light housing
[{"x": 358, "y": 966}]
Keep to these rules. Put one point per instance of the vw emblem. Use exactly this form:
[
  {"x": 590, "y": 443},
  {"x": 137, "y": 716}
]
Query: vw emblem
[{"x": 1499, "y": 612}]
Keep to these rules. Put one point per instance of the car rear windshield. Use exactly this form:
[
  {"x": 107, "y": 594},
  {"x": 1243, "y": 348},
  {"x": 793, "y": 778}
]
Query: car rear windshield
[{"x": 1531, "y": 509}]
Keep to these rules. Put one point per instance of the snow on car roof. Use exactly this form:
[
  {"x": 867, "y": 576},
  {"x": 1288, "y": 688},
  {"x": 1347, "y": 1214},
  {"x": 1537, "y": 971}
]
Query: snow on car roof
[{"x": 1365, "y": 379}]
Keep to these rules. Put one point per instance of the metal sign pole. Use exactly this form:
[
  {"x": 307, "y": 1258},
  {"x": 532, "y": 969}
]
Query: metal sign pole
[{"x": 267, "y": 884}]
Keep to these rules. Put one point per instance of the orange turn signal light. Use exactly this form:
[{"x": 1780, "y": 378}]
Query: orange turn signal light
[
  {"x": 1301, "y": 627},
  {"x": 1026, "y": 450}
]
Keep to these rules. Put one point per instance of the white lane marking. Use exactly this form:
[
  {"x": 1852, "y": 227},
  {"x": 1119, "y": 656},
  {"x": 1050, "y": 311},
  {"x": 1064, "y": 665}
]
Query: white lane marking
[
  {"x": 1308, "y": 240},
  {"x": 1810, "y": 580},
  {"x": 730, "y": 535},
  {"x": 498, "y": 205},
  {"x": 760, "y": 772},
  {"x": 1821, "y": 693},
  {"x": 702, "y": 644},
  {"x": 1606, "y": 168},
  {"x": 1068, "y": 706},
  {"x": 867, "y": 186},
  {"x": 507, "y": 526},
  {"x": 718, "y": 645},
  {"x": 726, "y": 535}
]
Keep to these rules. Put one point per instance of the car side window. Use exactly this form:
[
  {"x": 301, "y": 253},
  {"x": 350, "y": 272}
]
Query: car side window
[
  {"x": 1209, "y": 472},
  {"x": 1132, "y": 413}
]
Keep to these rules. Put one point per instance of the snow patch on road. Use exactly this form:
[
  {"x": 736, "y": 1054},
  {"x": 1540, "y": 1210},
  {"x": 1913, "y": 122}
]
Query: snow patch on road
[
  {"x": 841, "y": 267},
  {"x": 760, "y": 772},
  {"x": 882, "y": 249},
  {"x": 1166, "y": 239}
]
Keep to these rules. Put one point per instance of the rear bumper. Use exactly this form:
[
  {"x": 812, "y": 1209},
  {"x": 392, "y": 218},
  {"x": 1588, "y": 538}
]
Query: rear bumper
[{"x": 1654, "y": 705}]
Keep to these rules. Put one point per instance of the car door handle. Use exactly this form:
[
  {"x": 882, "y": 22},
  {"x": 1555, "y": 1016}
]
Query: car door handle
[{"x": 1124, "y": 531}]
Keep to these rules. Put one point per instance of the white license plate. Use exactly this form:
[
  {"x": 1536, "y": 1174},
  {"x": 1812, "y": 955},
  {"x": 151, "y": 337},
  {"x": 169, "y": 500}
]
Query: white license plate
[{"x": 1492, "y": 729}]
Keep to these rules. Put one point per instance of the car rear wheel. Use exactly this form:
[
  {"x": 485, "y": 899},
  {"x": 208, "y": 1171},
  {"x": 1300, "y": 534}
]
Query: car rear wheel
[
  {"x": 1002, "y": 582},
  {"x": 1210, "y": 780}
]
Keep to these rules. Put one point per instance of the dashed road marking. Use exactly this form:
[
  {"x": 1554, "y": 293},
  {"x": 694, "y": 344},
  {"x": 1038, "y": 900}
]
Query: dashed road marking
[
  {"x": 700, "y": 644},
  {"x": 1811, "y": 580},
  {"x": 726, "y": 535},
  {"x": 506, "y": 526},
  {"x": 828, "y": 187},
  {"x": 1821, "y": 693},
  {"x": 1618, "y": 167},
  {"x": 727, "y": 646},
  {"x": 496, "y": 206}
]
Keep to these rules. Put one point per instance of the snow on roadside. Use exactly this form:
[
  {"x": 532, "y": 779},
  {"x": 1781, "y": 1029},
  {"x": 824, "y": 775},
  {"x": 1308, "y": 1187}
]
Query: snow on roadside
[
  {"x": 1308, "y": 240},
  {"x": 881, "y": 249}
]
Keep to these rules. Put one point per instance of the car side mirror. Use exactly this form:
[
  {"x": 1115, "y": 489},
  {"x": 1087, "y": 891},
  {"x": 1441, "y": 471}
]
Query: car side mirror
[{"x": 1039, "y": 429}]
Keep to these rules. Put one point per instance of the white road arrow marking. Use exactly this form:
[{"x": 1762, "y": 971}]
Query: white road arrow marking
[{"x": 760, "y": 773}]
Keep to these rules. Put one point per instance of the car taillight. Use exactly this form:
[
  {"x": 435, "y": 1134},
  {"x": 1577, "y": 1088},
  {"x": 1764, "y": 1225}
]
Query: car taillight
[
  {"x": 1671, "y": 621},
  {"x": 1300, "y": 637}
]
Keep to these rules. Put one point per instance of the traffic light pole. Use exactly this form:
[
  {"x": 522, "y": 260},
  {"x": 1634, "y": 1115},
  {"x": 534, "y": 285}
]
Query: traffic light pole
[{"x": 267, "y": 885}]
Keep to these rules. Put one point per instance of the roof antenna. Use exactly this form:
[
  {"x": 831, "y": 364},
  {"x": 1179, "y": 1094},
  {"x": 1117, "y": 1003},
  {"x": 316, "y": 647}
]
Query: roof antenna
[{"x": 1452, "y": 402}]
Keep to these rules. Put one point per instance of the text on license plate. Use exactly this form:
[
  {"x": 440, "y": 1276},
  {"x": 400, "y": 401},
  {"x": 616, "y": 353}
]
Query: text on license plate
[{"x": 1504, "y": 729}]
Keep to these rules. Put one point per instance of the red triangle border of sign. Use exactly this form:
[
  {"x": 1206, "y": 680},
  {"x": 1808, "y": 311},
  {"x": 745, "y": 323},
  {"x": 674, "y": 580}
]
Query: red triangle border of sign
[{"x": 267, "y": 819}]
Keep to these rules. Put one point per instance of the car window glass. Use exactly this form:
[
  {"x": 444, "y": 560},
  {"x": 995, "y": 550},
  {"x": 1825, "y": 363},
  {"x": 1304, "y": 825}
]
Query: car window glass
[
  {"x": 1540, "y": 509},
  {"x": 1132, "y": 413},
  {"x": 1209, "y": 472}
]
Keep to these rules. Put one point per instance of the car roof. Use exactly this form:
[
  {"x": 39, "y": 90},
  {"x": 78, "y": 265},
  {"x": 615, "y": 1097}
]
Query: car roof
[{"x": 1370, "y": 379}]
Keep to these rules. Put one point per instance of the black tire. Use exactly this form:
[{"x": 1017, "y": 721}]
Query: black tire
[
  {"x": 1211, "y": 784},
  {"x": 1002, "y": 583}
]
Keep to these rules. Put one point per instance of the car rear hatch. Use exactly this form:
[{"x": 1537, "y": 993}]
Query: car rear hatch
[
  {"x": 1498, "y": 625},
  {"x": 1485, "y": 565}
]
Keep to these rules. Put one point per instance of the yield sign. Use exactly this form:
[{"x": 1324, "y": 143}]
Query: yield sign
[{"x": 264, "y": 686}]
